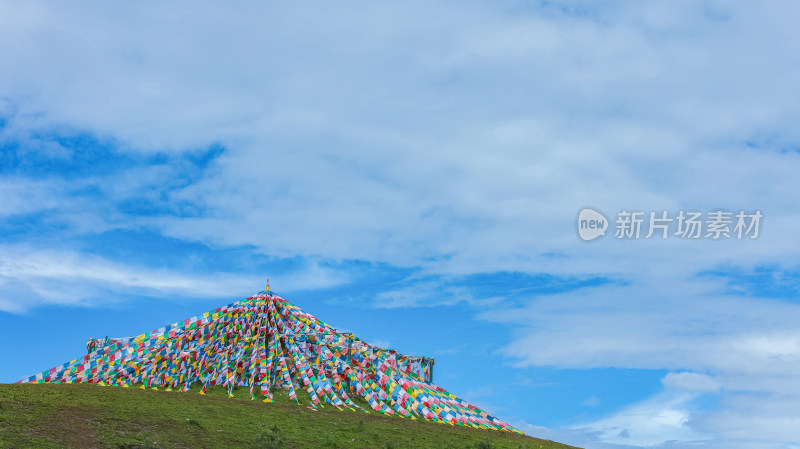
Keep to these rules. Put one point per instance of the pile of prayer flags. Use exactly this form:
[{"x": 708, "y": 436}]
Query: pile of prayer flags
[{"x": 263, "y": 343}]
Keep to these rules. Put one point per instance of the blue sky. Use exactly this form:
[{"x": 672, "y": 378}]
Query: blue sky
[{"x": 412, "y": 172}]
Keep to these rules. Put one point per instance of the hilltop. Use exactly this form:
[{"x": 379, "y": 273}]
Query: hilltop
[{"x": 89, "y": 416}]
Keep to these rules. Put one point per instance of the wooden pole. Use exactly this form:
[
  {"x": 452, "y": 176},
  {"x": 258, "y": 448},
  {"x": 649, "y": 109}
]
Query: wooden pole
[{"x": 349, "y": 359}]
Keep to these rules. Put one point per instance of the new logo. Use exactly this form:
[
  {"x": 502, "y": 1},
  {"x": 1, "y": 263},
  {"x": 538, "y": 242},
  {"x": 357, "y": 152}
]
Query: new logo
[{"x": 591, "y": 224}]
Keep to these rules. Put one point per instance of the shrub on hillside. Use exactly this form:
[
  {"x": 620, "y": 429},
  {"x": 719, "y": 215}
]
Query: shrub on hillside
[{"x": 270, "y": 439}]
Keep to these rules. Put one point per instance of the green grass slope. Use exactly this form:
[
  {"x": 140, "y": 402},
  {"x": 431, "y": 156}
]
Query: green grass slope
[{"x": 88, "y": 416}]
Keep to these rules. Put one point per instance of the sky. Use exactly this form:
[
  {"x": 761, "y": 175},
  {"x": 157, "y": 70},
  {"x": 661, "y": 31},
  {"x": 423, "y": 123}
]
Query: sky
[{"x": 413, "y": 172}]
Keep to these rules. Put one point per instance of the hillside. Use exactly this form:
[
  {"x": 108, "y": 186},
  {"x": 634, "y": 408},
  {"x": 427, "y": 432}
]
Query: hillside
[{"x": 88, "y": 416}]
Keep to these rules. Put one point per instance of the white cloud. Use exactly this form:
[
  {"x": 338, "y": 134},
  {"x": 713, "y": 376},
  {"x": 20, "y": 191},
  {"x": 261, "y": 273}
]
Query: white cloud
[
  {"x": 591, "y": 401},
  {"x": 31, "y": 277},
  {"x": 460, "y": 144},
  {"x": 660, "y": 323},
  {"x": 381, "y": 343},
  {"x": 691, "y": 382},
  {"x": 745, "y": 350},
  {"x": 679, "y": 420},
  {"x": 419, "y": 293},
  {"x": 21, "y": 196},
  {"x": 663, "y": 418}
]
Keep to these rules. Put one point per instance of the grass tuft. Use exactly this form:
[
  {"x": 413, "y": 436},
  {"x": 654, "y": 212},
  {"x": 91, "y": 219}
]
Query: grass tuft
[{"x": 193, "y": 423}]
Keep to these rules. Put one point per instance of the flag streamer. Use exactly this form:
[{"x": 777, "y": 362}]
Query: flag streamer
[{"x": 264, "y": 342}]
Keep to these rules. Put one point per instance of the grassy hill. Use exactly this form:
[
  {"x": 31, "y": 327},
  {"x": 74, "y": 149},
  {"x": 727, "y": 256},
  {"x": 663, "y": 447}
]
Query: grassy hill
[{"x": 86, "y": 416}]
